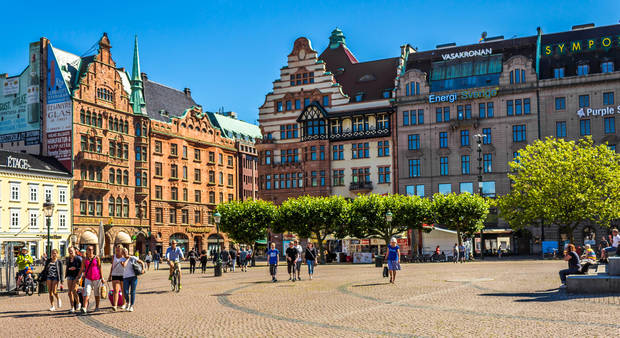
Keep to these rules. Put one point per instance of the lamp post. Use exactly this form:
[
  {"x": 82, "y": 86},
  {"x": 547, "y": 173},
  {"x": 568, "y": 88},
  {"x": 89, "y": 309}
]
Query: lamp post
[
  {"x": 479, "y": 138},
  {"x": 48, "y": 210},
  {"x": 218, "y": 262}
]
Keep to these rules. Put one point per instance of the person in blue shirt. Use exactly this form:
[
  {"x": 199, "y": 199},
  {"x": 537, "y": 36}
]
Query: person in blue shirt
[
  {"x": 273, "y": 255},
  {"x": 393, "y": 259},
  {"x": 174, "y": 255}
]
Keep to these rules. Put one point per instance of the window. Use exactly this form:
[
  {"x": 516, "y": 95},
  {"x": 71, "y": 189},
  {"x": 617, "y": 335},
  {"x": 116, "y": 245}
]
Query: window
[
  {"x": 584, "y": 127},
  {"x": 221, "y": 180},
  {"x": 414, "y": 168},
  {"x": 463, "y": 112},
  {"x": 465, "y": 168},
  {"x": 384, "y": 174},
  {"x": 173, "y": 216},
  {"x": 338, "y": 152},
  {"x": 211, "y": 157},
  {"x": 560, "y": 129},
  {"x": 526, "y": 106},
  {"x": 230, "y": 180},
  {"x": 464, "y": 138},
  {"x": 336, "y": 126},
  {"x": 174, "y": 193},
  {"x": 488, "y": 189},
  {"x": 197, "y": 217},
  {"x": 15, "y": 219},
  {"x": 174, "y": 171},
  {"x": 230, "y": 161},
  {"x": 62, "y": 195},
  {"x": 325, "y": 100},
  {"x": 560, "y": 103},
  {"x": 360, "y": 150},
  {"x": 184, "y": 216},
  {"x": 610, "y": 125},
  {"x": 158, "y": 192},
  {"x": 301, "y": 78},
  {"x": 158, "y": 169},
  {"x": 420, "y": 115},
  {"x": 173, "y": 149},
  {"x": 159, "y": 215},
  {"x": 126, "y": 207},
  {"x": 486, "y": 136},
  {"x": 384, "y": 148},
  {"x": 517, "y": 76},
  {"x": 197, "y": 196},
  {"x": 110, "y": 207},
  {"x": 279, "y": 106},
  {"x": 413, "y": 141},
  {"x": 466, "y": 187},
  {"x": 489, "y": 109},
  {"x": 509, "y": 108},
  {"x": 360, "y": 123},
  {"x": 338, "y": 177},
  {"x": 33, "y": 224},
  {"x": 288, "y": 131},
  {"x": 33, "y": 193},
  {"x": 197, "y": 175},
  {"x": 445, "y": 188},
  {"x": 607, "y": 67},
  {"x": 405, "y": 118},
  {"x": 558, "y": 73},
  {"x": 359, "y": 97},
  {"x": 583, "y": 69},
  {"x": 297, "y": 104},
  {"x": 608, "y": 98},
  {"x": 306, "y": 102},
  {"x": 443, "y": 166},
  {"x": 443, "y": 140},
  {"x": 62, "y": 220},
  {"x": 487, "y": 162},
  {"x": 322, "y": 178},
  {"x": 196, "y": 154},
  {"x": 415, "y": 190},
  {"x": 584, "y": 101},
  {"x": 360, "y": 175},
  {"x": 518, "y": 133},
  {"x": 15, "y": 192},
  {"x": 482, "y": 110},
  {"x": 518, "y": 108},
  {"x": 212, "y": 176},
  {"x": 438, "y": 115},
  {"x": 322, "y": 153},
  {"x": 383, "y": 122},
  {"x": 212, "y": 196}
]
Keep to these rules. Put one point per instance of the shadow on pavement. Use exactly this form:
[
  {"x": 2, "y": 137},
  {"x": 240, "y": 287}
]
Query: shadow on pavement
[
  {"x": 369, "y": 284},
  {"x": 152, "y": 292},
  {"x": 551, "y": 295}
]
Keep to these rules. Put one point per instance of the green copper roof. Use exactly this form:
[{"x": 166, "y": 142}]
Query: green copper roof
[
  {"x": 336, "y": 39},
  {"x": 235, "y": 129},
  {"x": 137, "y": 96}
]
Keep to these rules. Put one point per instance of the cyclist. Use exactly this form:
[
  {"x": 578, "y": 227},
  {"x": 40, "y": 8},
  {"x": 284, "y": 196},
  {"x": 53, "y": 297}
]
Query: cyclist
[
  {"x": 174, "y": 255},
  {"x": 24, "y": 262}
]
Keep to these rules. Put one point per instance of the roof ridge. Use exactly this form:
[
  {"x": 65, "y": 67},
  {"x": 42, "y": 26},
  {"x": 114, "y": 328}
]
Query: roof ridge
[{"x": 163, "y": 85}]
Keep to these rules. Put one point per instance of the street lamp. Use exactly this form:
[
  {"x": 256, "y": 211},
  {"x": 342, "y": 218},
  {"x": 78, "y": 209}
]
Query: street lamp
[
  {"x": 479, "y": 138},
  {"x": 48, "y": 210},
  {"x": 218, "y": 262},
  {"x": 388, "y": 216}
]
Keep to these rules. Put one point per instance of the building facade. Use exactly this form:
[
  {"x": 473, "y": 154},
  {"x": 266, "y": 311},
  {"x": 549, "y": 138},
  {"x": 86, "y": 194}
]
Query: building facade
[{"x": 26, "y": 182}]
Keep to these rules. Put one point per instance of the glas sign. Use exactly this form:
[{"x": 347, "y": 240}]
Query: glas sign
[
  {"x": 464, "y": 95},
  {"x": 561, "y": 48},
  {"x": 587, "y": 112}
]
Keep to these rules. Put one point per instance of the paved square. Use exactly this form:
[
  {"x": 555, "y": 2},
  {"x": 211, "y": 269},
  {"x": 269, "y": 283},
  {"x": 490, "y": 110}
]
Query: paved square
[{"x": 492, "y": 298}]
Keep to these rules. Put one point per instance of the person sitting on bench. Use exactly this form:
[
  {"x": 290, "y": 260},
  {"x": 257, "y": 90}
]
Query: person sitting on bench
[{"x": 574, "y": 267}]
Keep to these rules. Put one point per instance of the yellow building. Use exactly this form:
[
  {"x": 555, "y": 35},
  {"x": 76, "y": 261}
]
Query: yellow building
[{"x": 26, "y": 182}]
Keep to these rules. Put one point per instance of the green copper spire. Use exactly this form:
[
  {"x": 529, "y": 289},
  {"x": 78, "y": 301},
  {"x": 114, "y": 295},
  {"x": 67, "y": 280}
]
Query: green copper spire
[
  {"x": 336, "y": 39},
  {"x": 137, "y": 98}
]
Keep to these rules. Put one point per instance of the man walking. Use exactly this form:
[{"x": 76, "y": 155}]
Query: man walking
[
  {"x": 300, "y": 251},
  {"x": 291, "y": 259},
  {"x": 233, "y": 257},
  {"x": 193, "y": 256},
  {"x": 274, "y": 256}
]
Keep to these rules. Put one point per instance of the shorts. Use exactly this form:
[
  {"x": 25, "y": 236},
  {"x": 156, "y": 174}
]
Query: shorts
[
  {"x": 71, "y": 277},
  {"x": 89, "y": 285},
  {"x": 117, "y": 278},
  {"x": 610, "y": 249},
  {"x": 52, "y": 279},
  {"x": 273, "y": 269}
]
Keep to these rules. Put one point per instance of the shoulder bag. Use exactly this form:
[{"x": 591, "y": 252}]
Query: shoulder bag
[{"x": 137, "y": 267}]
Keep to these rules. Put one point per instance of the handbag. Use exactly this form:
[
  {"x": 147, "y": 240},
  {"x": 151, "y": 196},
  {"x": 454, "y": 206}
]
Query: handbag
[
  {"x": 137, "y": 267},
  {"x": 385, "y": 271},
  {"x": 103, "y": 291}
]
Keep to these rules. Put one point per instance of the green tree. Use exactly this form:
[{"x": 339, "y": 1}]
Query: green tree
[
  {"x": 564, "y": 183},
  {"x": 368, "y": 215},
  {"x": 246, "y": 222},
  {"x": 464, "y": 213},
  {"x": 313, "y": 217}
]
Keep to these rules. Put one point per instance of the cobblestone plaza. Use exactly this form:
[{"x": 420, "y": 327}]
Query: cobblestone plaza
[{"x": 491, "y": 298}]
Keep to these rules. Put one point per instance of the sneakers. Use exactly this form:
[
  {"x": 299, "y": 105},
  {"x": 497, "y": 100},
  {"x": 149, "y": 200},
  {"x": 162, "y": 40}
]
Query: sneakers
[
  {"x": 59, "y": 303},
  {"x": 114, "y": 308},
  {"x": 72, "y": 310},
  {"x": 78, "y": 307},
  {"x": 310, "y": 277},
  {"x": 293, "y": 280},
  {"x": 84, "y": 311},
  {"x": 52, "y": 308},
  {"x": 124, "y": 306},
  {"x": 130, "y": 309},
  {"x": 298, "y": 278}
]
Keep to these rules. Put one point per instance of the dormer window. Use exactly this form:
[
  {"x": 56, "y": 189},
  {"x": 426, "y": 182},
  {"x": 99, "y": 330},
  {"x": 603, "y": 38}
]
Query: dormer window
[
  {"x": 583, "y": 69},
  {"x": 517, "y": 76},
  {"x": 607, "y": 67},
  {"x": 359, "y": 97}
]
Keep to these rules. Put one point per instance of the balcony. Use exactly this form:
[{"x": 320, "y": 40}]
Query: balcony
[
  {"x": 141, "y": 165},
  {"x": 468, "y": 123},
  {"x": 360, "y": 186},
  {"x": 142, "y": 191},
  {"x": 177, "y": 204},
  {"x": 141, "y": 140},
  {"x": 92, "y": 157},
  {"x": 84, "y": 185},
  {"x": 348, "y": 134}
]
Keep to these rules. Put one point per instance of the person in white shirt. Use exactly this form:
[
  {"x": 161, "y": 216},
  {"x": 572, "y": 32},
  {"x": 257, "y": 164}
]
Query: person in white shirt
[
  {"x": 300, "y": 250},
  {"x": 613, "y": 249}
]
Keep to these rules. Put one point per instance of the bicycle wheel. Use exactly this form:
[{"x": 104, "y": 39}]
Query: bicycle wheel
[
  {"x": 178, "y": 282},
  {"x": 29, "y": 289},
  {"x": 173, "y": 281}
]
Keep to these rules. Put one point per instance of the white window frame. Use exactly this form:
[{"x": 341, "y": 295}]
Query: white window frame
[
  {"x": 14, "y": 212},
  {"x": 33, "y": 190},
  {"x": 62, "y": 195},
  {"x": 33, "y": 214},
  {"x": 46, "y": 189},
  {"x": 15, "y": 191},
  {"x": 62, "y": 218}
]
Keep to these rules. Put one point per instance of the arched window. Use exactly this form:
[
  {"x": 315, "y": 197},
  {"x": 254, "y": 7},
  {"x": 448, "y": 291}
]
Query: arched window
[
  {"x": 119, "y": 151},
  {"x": 82, "y": 117},
  {"x": 111, "y": 207},
  {"x": 126, "y": 127},
  {"x": 99, "y": 206},
  {"x": 119, "y": 205},
  {"x": 99, "y": 121},
  {"x": 111, "y": 175},
  {"x": 138, "y": 179},
  {"x": 138, "y": 130},
  {"x": 88, "y": 117},
  {"x": 119, "y": 176},
  {"x": 126, "y": 207},
  {"x": 115, "y": 124},
  {"x": 126, "y": 177},
  {"x": 144, "y": 182},
  {"x": 144, "y": 131},
  {"x": 91, "y": 173}
]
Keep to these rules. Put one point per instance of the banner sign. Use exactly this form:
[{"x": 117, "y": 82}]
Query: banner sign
[
  {"x": 600, "y": 112},
  {"x": 11, "y": 86},
  {"x": 58, "y": 116}
]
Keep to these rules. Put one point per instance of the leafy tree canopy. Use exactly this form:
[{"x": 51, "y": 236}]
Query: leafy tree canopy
[
  {"x": 464, "y": 213},
  {"x": 246, "y": 222}
]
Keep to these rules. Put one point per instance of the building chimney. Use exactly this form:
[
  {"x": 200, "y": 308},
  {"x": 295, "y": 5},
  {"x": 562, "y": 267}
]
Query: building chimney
[
  {"x": 144, "y": 77},
  {"x": 187, "y": 92}
]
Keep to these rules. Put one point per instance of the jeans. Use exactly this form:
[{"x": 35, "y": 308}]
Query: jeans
[
  {"x": 310, "y": 266},
  {"x": 127, "y": 283},
  {"x": 156, "y": 265},
  {"x": 192, "y": 265},
  {"x": 566, "y": 272}
]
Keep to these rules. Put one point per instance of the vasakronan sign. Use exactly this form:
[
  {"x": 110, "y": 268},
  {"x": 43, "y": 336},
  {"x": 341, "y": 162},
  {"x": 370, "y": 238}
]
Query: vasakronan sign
[
  {"x": 598, "y": 112},
  {"x": 467, "y": 54},
  {"x": 464, "y": 95}
]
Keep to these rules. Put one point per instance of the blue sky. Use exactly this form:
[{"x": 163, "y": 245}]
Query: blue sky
[{"x": 229, "y": 52}]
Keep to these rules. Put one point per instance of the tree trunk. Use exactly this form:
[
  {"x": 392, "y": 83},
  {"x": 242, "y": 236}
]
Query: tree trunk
[
  {"x": 458, "y": 235},
  {"x": 254, "y": 254},
  {"x": 321, "y": 253}
]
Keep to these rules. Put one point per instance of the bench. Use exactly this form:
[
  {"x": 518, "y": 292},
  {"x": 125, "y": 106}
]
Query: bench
[
  {"x": 601, "y": 283},
  {"x": 613, "y": 266}
]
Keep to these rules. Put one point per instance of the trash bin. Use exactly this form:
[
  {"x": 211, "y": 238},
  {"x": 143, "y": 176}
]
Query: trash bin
[{"x": 378, "y": 261}]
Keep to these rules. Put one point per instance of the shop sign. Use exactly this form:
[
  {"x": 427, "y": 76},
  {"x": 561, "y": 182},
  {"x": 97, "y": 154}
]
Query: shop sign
[
  {"x": 578, "y": 46},
  {"x": 467, "y": 54},
  {"x": 17, "y": 163},
  {"x": 355, "y": 242},
  {"x": 198, "y": 229},
  {"x": 364, "y": 241},
  {"x": 377, "y": 241},
  {"x": 50, "y": 236},
  {"x": 588, "y": 112},
  {"x": 486, "y": 93}
]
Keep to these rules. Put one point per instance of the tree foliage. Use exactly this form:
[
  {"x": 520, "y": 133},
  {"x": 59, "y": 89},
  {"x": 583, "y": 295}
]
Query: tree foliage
[
  {"x": 464, "y": 213},
  {"x": 563, "y": 182},
  {"x": 246, "y": 222}
]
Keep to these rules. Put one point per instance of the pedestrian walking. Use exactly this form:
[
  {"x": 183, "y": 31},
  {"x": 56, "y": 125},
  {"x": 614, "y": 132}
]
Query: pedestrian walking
[
  {"x": 393, "y": 259},
  {"x": 148, "y": 259},
  {"x": 225, "y": 257},
  {"x": 156, "y": 259},
  {"x": 462, "y": 253},
  {"x": 130, "y": 279},
  {"x": 233, "y": 257},
  {"x": 193, "y": 257},
  {"x": 300, "y": 252},
  {"x": 574, "y": 266},
  {"x": 73, "y": 263},
  {"x": 54, "y": 275},
  {"x": 93, "y": 278},
  {"x": 291, "y": 260},
  {"x": 274, "y": 256},
  {"x": 311, "y": 258},
  {"x": 117, "y": 271},
  {"x": 243, "y": 257},
  {"x": 455, "y": 253}
]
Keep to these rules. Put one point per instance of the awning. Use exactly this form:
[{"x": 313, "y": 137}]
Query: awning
[
  {"x": 88, "y": 238},
  {"x": 122, "y": 238}
]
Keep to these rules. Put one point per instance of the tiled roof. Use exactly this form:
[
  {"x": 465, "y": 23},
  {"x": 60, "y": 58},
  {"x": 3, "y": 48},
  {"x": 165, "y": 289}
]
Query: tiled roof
[
  {"x": 371, "y": 78},
  {"x": 235, "y": 129},
  {"x": 162, "y": 99},
  {"x": 32, "y": 164}
]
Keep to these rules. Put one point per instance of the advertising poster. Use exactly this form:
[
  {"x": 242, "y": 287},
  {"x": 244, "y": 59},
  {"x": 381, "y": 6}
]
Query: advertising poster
[
  {"x": 58, "y": 116},
  {"x": 11, "y": 86}
]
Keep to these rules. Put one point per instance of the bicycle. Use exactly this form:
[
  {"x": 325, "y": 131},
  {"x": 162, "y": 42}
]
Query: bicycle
[
  {"x": 27, "y": 284},
  {"x": 175, "y": 282}
]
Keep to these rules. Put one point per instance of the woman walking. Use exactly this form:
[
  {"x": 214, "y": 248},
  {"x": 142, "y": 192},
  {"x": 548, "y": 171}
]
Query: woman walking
[
  {"x": 116, "y": 275},
  {"x": 203, "y": 260},
  {"x": 148, "y": 260},
  {"x": 54, "y": 275},
  {"x": 130, "y": 279},
  {"x": 74, "y": 262},
  {"x": 393, "y": 259},
  {"x": 93, "y": 278},
  {"x": 311, "y": 258},
  {"x": 156, "y": 259}
]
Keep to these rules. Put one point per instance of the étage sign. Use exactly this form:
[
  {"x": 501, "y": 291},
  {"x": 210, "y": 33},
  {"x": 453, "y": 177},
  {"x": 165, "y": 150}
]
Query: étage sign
[
  {"x": 600, "y": 112},
  {"x": 464, "y": 95},
  {"x": 467, "y": 54},
  {"x": 17, "y": 163},
  {"x": 605, "y": 42}
]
